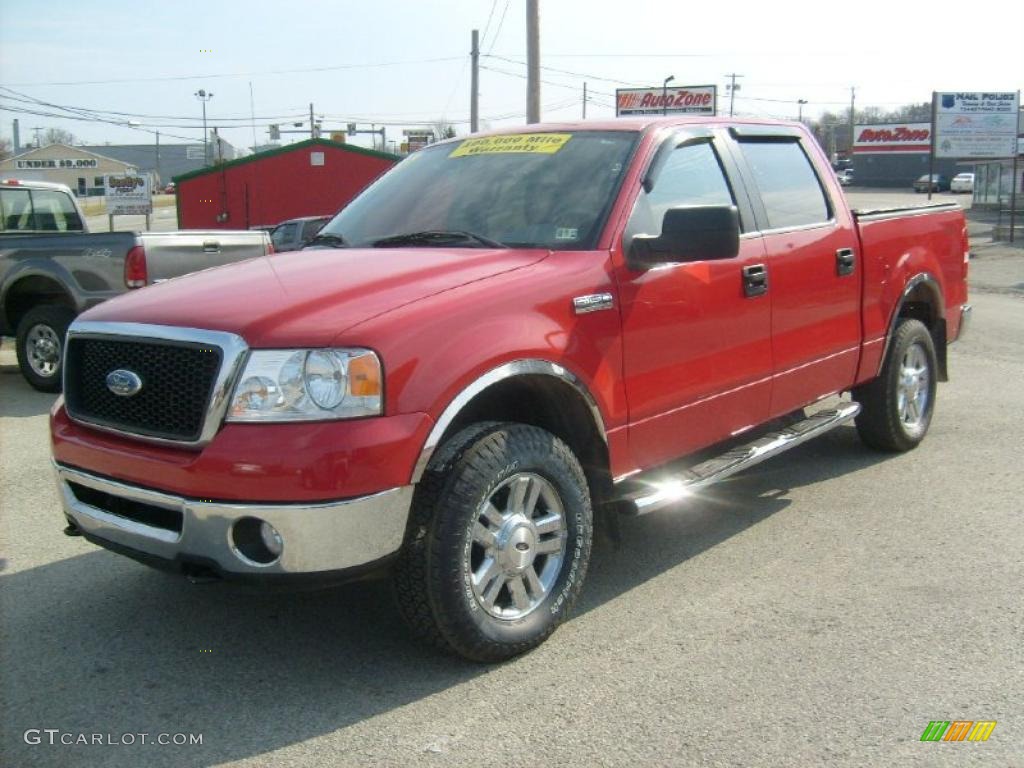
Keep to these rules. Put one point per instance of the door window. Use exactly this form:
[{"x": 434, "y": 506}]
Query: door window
[
  {"x": 310, "y": 228},
  {"x": 789, "y": 188},
  {"x": 55, "y": 212},
  {"x": 284, "y": 234},
  {"x": 692, "y": 175}
]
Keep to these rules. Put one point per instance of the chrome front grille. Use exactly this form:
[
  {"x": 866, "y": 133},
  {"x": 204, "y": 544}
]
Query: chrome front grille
[{"x": 185, "y": 375}]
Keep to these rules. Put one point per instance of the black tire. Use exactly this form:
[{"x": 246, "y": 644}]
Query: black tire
[
  {"x": 880, "y": 423},
  {"x": 432, "y": 580},
  {"x": 52, "y": 321}
]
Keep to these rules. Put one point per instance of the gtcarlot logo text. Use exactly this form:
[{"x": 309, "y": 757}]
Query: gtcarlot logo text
[{"x": 55, "y": 736}]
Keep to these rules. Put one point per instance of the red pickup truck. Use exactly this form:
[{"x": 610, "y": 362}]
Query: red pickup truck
[{"x": 504, "y": 339}]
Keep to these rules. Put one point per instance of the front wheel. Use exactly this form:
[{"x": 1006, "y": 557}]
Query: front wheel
[
  {"x": 499, "y": 542},
  {"x": 40, "y": 340},
  {"x": 896, "y": 407}
]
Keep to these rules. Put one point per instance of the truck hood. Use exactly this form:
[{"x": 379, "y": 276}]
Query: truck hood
[{"x": 306, "y": 298}]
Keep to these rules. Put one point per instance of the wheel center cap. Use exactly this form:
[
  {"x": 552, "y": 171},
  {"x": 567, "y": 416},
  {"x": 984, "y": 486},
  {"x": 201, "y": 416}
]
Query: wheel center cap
[
  {"x": 517, "y": 544},
  {"x": 46, "y": 349}
]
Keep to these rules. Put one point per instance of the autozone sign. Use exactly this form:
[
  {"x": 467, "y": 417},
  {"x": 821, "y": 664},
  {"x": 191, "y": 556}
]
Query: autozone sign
[
  {"x": 895, "y": 138},
  {"x": 685, "y": 100}
]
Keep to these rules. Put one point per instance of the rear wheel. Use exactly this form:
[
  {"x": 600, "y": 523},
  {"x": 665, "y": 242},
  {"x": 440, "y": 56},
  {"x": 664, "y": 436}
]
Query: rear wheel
[
  {"x": 896, "y": 407},
  {"x": 499, "y": 542},
  {"x": 40, "y": 341}
]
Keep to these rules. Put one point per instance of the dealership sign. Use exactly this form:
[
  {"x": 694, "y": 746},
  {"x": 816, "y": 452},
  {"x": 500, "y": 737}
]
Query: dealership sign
[
  {"x": 57, "y": 163},
  {"x": 976, "y": 125},
  {"x": 127, "y": 195},
  {"x": 895, "y": 138},
  {"x": 686, "y": 100}
]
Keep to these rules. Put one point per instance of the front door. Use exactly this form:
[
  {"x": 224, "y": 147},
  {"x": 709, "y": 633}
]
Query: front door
[{"x": 697, "y": 344}]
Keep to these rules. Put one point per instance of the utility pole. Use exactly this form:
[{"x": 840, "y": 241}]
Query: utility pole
[
  {"x": 732, "y": 89},
  {"x": 584, "y": 99},
  {"x": 158, "y": 158},
  {"x": 252, "y": 112},
  {"x": 474, "y": 85},
  {"x": 312, "y": 124},
  {"x": 204, "y": 97},
  {"x": 853, "y": 101},
  {"x": 532, "y": 62}
]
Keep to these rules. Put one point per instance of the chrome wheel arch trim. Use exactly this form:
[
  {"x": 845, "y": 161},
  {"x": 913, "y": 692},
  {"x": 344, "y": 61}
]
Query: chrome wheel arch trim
[{"x": 510, "y": 370}]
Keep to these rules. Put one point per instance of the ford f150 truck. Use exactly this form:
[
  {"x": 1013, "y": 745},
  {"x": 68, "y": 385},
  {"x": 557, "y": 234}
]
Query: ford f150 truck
[
  {"x": 514, "y": 335},
  {"x": 52, "y": 267}
]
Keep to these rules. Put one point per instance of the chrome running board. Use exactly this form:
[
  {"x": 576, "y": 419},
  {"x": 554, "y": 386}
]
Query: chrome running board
[{"x": 670, "y": 489}]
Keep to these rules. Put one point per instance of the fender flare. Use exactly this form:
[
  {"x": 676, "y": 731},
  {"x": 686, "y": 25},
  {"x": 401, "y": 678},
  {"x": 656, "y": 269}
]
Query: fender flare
[
  {"x": 504, "y": 372},
  {"x": 929, "y": 281},
  {"x": 38, "y": 268}
]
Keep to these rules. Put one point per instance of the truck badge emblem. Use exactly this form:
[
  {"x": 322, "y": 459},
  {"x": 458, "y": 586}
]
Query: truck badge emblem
[{"x": 123, "y": 383}]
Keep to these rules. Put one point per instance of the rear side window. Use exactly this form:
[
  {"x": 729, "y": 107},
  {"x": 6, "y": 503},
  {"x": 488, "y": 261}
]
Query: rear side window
[
  {"x": 789, "y": 187},
  {"x": 55, "y": 212},
  {"x": 17, "y": 210}
]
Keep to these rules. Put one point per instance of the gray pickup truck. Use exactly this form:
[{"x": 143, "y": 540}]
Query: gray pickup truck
[{"x": 52, "y": 268}]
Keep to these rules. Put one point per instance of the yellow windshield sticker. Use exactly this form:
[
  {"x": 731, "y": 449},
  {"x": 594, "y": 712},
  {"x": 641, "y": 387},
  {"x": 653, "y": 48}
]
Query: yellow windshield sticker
[{"x": 537, "y": 143}]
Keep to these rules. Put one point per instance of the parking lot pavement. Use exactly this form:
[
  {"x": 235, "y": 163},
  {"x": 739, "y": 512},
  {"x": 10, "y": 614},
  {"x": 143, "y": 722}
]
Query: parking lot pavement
[{"x": 820, "y": 610}]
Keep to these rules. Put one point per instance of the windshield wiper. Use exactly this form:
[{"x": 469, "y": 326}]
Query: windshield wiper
[
  {"x": 326, "y": 238},
  {"x": 436, "y": 237}
]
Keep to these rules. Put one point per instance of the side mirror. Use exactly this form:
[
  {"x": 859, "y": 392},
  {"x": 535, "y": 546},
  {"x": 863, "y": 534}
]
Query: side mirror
[{"x": 689, "y": 233}]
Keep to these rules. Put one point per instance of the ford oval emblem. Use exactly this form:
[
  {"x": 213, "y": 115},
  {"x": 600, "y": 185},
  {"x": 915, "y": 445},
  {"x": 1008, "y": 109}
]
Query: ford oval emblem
[{"x": 124, "y": 383}]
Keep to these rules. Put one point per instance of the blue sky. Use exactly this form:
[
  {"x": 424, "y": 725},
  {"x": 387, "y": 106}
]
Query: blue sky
[{"x": 407, "y": 63}]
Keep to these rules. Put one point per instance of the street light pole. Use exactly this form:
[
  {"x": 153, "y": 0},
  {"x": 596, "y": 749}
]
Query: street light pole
[
  {"x": 664, "y": 94},
  {"x": 800, "y": 109},
  {"x": 204, "y": 97}
]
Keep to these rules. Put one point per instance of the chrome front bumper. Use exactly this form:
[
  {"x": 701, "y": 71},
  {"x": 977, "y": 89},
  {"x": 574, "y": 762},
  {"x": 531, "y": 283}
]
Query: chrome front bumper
[{"x": 316, "y": 538}]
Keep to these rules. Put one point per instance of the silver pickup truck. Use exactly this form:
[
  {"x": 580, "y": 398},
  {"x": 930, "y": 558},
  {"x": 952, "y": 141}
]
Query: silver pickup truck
[{"x": 52, "y": 268}]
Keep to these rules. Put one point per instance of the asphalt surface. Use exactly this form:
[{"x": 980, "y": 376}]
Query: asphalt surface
[{"x": 820, "y": 609}]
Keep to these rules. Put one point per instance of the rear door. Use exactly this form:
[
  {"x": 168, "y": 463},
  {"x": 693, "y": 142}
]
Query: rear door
[
  {"x": 697, "y": 352},
  {"x": 814, "y": 269}
]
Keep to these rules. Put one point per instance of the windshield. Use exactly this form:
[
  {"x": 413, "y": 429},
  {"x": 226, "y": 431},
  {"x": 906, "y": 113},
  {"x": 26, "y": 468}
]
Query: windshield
[{"x": 541, "y": 190}]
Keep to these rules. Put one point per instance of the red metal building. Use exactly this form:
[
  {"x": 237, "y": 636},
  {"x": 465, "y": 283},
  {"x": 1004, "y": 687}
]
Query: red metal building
[{"x": 315, "y": 177}]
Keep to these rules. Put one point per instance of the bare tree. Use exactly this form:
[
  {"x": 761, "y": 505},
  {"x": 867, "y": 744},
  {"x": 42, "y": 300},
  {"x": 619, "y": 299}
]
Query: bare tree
[
  {"x": 58, "y": 136},
  {"x": 443, "y": 130},
  {"x": 5, "y": 148}
]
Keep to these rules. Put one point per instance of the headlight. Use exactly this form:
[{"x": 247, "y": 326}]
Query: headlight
[{"x": 308, "y": 385}]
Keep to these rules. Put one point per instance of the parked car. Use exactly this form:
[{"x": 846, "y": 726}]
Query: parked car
[
  {"x": 293, "y": 234},
  {"x": 845, "y": 177},
  {"x": 938, "y": 183},
  {"x": 475, "y": 377},
  {"x": 52, "y": 268},
  {"x": 170, "y": 188},
  {"x": 962, "y": 182}
]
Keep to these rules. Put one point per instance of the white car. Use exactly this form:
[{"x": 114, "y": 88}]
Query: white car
[
  {"x": 962, "y": 182},
  {"x": 846, "y": 177}
]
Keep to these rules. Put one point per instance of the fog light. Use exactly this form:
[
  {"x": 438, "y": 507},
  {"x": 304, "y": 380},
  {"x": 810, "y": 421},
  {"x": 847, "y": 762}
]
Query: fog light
[
  {"x": 256, "y": 542},
  {"x": 271, "y": 539}
]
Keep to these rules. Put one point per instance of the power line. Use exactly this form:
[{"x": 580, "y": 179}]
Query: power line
[
  {"x": 243, "y": 74},
  {"x": 487, "y": 26},
  {"x": 501, "y": 21}
]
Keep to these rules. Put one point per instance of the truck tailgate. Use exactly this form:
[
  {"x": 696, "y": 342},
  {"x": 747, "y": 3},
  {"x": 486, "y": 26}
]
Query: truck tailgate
[{"x": 171, "y": 254}]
